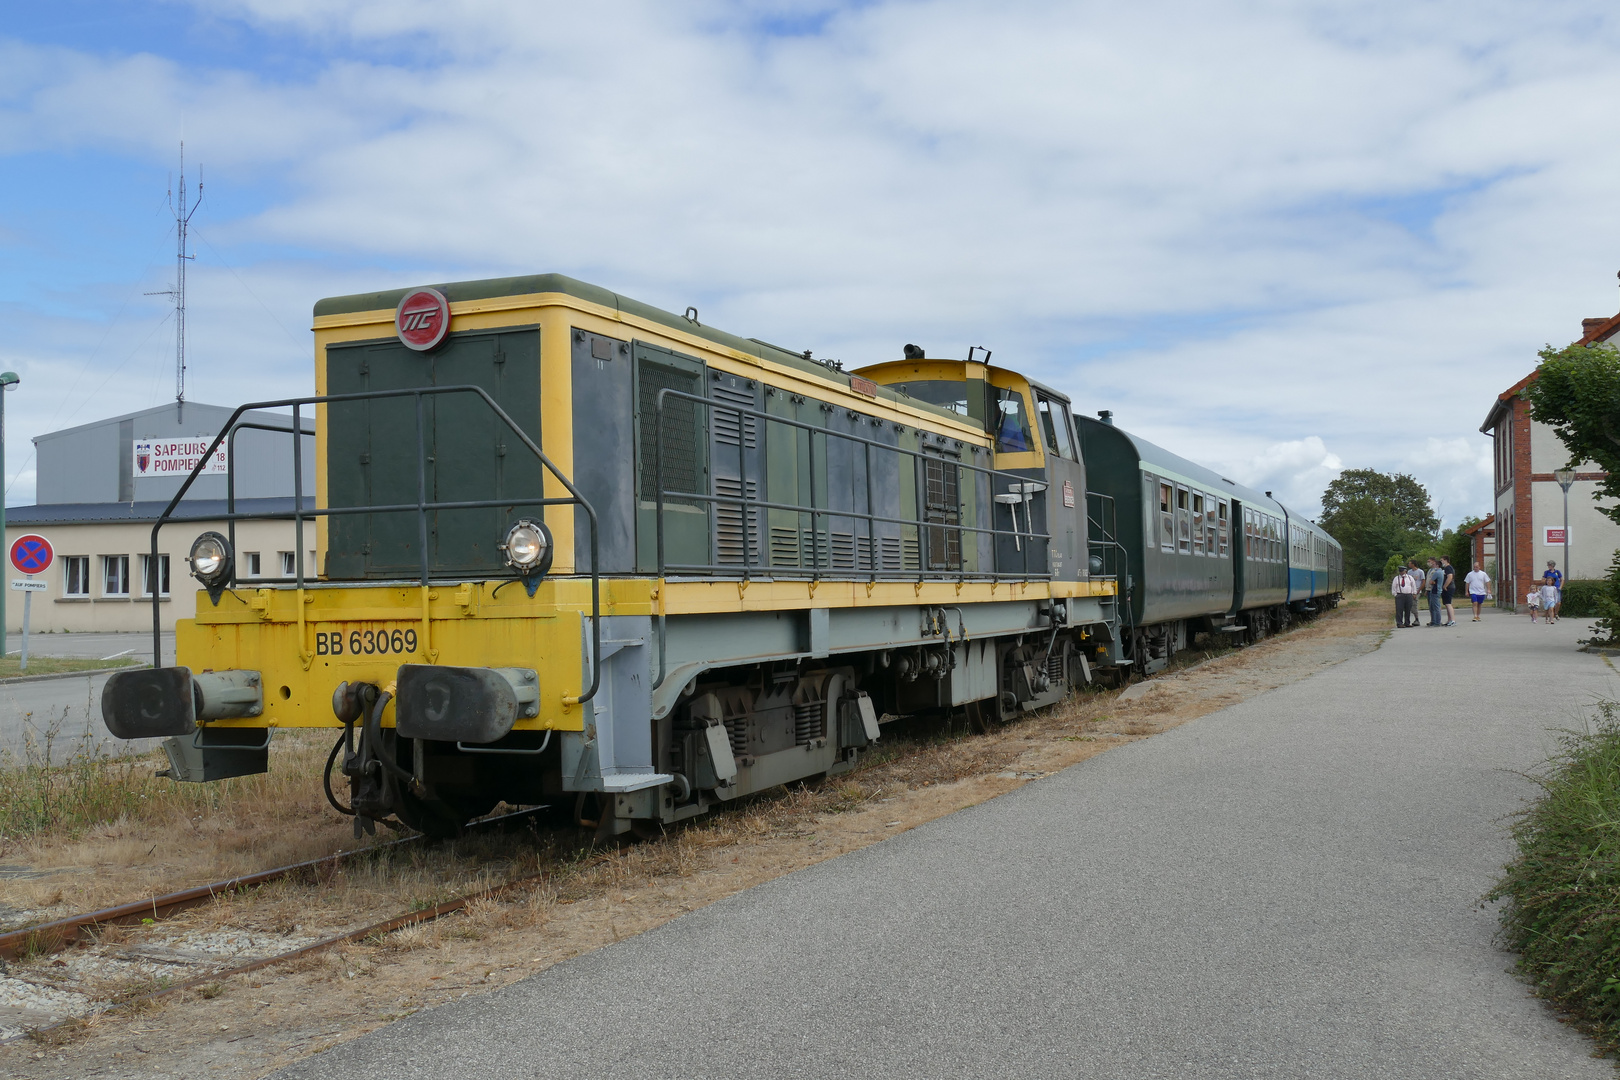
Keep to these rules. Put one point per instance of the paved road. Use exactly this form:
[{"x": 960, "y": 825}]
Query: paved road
[
  {"x": 61, "y": 716},
  {"x": 91, "y": 646},
  {"x": 1287, "y": 888}
]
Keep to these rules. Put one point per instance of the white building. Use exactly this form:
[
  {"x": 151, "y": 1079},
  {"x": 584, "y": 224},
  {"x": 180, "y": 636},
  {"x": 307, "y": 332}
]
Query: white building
[{"x": 102, "y": 486}]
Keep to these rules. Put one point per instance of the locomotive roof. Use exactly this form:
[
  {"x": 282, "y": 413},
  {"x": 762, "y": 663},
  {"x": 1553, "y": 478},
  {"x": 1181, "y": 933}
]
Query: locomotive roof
[
  {"x": 1154, "y": 455},
  {"x": 526, "y": 284}
]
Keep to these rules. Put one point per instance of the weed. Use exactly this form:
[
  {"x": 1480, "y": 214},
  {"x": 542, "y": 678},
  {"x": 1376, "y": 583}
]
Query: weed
[
  {"x": 59, "y": 1034},
  {"x": 210, "y": 991},
  {"x": 1562, "y": 892}
]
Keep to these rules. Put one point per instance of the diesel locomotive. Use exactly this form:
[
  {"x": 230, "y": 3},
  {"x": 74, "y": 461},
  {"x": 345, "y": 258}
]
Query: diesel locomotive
[{"x": 578, "y": 551}]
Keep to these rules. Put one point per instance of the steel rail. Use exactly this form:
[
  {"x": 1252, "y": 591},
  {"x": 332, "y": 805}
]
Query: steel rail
[{"x": 59, "y": 934}]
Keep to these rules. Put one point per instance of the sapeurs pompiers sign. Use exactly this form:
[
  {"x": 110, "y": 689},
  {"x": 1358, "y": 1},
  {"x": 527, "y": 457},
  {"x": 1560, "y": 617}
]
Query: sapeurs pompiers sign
[{"x": 177, "y": 456}]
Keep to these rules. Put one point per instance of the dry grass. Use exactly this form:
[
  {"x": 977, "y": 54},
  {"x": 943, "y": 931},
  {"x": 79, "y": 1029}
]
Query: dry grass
[
  {"x": 11, "y": 667},
  {"x": 585, "y": 897}
]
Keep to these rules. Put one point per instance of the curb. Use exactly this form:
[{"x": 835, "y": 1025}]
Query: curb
[{"x": 68, "y": 674}]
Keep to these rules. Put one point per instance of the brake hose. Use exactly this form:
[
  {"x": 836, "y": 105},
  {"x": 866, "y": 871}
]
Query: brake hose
[
  {"x": 326, "y": 777},
  {"x": 374, "y": 737}
]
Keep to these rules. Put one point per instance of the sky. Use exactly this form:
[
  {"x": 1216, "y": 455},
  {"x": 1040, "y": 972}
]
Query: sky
[{"x": 1279, "y": 238}]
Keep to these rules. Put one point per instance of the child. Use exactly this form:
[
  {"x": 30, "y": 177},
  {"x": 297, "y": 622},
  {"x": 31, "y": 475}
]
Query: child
[
  {"x": 1549, "y": 596},
  {"x": 1533, "y": 600}
]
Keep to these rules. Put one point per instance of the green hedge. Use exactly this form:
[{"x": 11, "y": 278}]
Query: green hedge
[
  {"x": 1581, "y": 598},
  {"x": 1562, "y": 914}
]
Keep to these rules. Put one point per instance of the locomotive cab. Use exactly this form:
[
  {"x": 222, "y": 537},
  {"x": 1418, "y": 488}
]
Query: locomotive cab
[{"x": 1032, "y": 436}]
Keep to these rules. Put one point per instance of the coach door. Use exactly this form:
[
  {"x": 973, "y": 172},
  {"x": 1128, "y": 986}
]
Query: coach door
[{"x": 1066, "y": 490}]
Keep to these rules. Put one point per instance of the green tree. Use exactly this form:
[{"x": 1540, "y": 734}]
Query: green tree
[
  {"x": 1407, "y": 499},
  {"x": 1576, "y": 392},
  {"x": 1376, "y": 516}
]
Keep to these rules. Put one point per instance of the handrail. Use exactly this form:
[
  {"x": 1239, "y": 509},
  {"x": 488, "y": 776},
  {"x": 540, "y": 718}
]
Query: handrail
[{"x": 421, "y": 506}]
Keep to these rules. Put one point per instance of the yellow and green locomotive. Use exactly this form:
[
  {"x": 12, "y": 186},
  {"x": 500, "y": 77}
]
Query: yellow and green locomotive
[{"x": 574, "y": 550}]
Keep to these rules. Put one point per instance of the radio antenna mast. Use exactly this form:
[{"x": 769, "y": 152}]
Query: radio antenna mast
[{"x": 182, "y": 225}]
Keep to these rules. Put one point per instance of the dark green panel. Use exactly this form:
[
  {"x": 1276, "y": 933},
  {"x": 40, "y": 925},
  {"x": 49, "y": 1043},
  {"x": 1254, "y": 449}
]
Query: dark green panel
[
  {"x": 371, "y": 448},
  {"x": 680, "y": 460},
  {"x": 471, "y": 454},
  {"x": 477, "y": 456}
]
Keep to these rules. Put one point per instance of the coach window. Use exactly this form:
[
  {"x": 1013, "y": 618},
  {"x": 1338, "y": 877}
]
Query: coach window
[
  {"x": 1183, "y": 522},
  {"x": 1167, "y": 519},
  {"x": 1053, "y": 427},
  {"x": 1012, "y": 423},
  {"x": 1220, "y": 525},
  {"x": 1198, "y": 523}
]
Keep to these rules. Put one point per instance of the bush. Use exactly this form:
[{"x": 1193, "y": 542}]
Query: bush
[
  {"x": 1583, "y": 598},
  {"x": 1606, "y": 602},
  {"x": 1562, "y": 914}
]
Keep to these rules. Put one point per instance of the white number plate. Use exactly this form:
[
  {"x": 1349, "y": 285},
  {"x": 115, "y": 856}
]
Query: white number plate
[{"x": 367, "y": 639}]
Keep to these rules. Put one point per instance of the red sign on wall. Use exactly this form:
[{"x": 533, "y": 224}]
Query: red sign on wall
[
  {"x": 1556, "y": 535},
  {"x": 422, "y": 319}
]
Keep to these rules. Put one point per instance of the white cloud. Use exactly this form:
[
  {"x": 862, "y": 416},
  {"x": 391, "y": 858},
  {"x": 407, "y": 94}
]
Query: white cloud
[{"x": 1255, "y": 231}]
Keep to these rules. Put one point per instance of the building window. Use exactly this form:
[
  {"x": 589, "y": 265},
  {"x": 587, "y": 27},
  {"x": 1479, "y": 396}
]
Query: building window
[
  {"x": 158, "y": 582},
  {"x": 289, "y": 564},
  {"x": 76, "y": 575},
  {"x": 252, "y": 564},
  {"x": 115, "y": 575}
]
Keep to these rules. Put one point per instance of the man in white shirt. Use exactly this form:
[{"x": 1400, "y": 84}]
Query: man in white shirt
[
  {"x": 1479, "y": 587},
  {"x": 1405, "y": 590}
]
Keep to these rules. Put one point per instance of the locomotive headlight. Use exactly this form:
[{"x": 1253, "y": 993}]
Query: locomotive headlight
[
  {"x": 528, "y": 547},
  {"x": 210, "y": 559}
]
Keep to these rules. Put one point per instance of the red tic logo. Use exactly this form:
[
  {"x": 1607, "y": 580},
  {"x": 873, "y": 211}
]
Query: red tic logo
[{"x": 422, "y": 319}]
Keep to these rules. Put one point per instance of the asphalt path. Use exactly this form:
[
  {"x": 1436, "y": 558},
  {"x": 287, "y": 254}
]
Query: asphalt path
[
  {"x": 1288, "y": 888},
  {"x": 93, "y": 646}
]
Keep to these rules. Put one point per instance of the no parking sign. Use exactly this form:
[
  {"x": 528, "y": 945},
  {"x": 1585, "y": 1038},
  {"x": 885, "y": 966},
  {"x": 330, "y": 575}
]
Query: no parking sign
[{"x": 31, "y": 553}]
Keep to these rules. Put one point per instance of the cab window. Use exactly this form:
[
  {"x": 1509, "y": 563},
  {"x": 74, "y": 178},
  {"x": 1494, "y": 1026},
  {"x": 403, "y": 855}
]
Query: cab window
[
  {"x": 1054, "y": 426},
  {"x": 946, "y": 393},
  {"x": 1012, "y": 422}
]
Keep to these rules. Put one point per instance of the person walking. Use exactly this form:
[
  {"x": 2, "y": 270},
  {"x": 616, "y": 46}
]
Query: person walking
[
  {"x": 1405, "y": 589},
  {"x": 1435, "y": 579},
  {"x": 1479, "y": 587},
  {"x": 1448, "y": 590},
  {"x": 1549, "y": 594}
]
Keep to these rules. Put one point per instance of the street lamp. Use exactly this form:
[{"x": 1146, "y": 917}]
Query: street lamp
[
  {"x": 1565, "y": 478},
  {"x": 8, "y": 381}
]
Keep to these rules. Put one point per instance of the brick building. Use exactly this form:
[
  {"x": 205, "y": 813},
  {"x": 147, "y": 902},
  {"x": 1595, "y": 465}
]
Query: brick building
[
  {"x": 1482, "y": 542},
  {"x": 1528, "y": 522}
]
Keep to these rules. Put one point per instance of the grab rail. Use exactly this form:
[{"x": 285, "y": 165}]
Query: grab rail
[{"x": 420, "y": 507}]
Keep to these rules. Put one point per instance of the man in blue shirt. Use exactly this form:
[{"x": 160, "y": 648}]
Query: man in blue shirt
[{"x": 1433, "y": 583}]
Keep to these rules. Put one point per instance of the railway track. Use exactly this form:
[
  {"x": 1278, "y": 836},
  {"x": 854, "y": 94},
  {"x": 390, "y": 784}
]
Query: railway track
[{"x": 54, "y": 936}]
